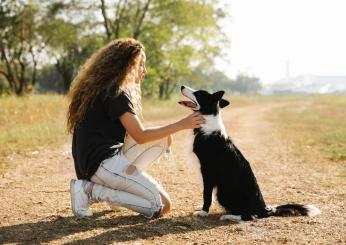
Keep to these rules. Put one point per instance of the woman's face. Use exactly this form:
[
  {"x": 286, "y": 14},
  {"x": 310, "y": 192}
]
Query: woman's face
[{"x": 142, "y": 71}]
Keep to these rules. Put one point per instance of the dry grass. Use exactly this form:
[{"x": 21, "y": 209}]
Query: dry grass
[
  {"x": 30, "y": 122},
  {"x": 315, "y": 126},
  {"x": 158, "y": 110}
]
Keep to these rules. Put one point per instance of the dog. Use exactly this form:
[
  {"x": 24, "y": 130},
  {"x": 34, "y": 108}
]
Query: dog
[{"x": 225, "y": 169}]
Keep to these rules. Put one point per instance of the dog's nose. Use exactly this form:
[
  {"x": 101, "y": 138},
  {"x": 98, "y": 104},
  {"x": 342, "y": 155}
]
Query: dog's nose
[{"x": 182, "y": 87}]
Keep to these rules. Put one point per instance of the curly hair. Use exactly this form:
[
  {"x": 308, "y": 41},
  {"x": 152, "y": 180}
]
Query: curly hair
[{"x": 112, "y": 65}]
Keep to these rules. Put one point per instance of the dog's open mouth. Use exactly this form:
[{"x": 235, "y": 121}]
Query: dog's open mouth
[
  {"x": 188, "y": 103},
  {"x": 191, "y": 102}
]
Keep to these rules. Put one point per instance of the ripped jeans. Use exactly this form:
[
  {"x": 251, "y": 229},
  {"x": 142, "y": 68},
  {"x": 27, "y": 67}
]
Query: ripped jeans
[{"x": 137, "y": 191}]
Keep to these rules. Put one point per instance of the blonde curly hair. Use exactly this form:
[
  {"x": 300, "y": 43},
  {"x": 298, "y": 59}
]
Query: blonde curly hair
[{"x": 115, "y": 64}]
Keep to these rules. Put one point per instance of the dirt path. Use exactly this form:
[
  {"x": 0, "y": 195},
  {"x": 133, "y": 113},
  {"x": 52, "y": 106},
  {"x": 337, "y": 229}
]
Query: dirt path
[{"x": 35, "y": 202}]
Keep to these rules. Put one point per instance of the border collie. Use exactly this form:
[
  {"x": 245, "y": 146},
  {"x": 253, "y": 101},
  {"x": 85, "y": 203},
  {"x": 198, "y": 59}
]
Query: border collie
[{"x": 224, "y": 168}]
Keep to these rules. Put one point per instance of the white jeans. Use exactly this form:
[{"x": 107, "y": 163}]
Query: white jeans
[{"x": 137, "y": 191}]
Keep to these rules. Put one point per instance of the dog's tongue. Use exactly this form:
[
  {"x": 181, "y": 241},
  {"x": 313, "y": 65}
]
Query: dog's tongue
[{"x": 187, "y": 103}]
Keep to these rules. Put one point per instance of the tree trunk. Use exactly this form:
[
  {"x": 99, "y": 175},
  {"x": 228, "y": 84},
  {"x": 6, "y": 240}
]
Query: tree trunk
[
  {"x": 67, "y": 76},
  {"x": 105, "y": 20},
  {"x": 167, "y": 95},
  {"x": 119, "y": 17},
  {"x": 161, "y": 91},
  {"x": 65, "y": 72},
  {"x": 138, "y": 29}
]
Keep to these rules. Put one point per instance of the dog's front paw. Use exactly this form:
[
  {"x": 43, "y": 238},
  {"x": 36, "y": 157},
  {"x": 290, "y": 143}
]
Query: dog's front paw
[{"x": 200, "y": 213}]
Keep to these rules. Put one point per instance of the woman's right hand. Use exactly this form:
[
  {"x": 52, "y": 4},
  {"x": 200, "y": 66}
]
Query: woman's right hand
[{"x": 192, "y": 121}]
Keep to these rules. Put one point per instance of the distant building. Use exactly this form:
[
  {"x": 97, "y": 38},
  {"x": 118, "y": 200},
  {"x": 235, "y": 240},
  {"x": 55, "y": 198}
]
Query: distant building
[{"x": 307, "y": 84}]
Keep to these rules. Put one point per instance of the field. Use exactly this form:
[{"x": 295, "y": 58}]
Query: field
[
  {"x": 30, "y": 123},
  {"x": 296, "y": 146}
]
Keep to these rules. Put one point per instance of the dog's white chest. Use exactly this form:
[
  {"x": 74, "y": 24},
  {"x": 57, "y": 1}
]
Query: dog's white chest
[{"x": 212, "y": 124}]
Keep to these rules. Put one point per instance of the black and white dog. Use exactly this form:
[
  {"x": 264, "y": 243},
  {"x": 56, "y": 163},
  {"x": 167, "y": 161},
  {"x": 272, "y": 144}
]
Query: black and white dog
[{"x": 224, "y": 168}]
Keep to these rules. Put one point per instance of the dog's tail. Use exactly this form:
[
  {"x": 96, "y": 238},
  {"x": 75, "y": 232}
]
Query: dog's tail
[{"x": 293, "y": 210}]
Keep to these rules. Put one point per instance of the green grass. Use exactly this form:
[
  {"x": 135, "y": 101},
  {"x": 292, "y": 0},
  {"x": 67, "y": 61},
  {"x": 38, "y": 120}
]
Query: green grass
[{"x": 316, "y": 126}]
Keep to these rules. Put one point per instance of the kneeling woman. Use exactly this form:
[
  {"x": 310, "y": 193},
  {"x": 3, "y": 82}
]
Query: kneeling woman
[{"x": 110, "y": 147}]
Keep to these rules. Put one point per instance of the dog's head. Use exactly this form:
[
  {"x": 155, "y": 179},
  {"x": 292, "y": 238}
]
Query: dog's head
[{"x": 203, "y": 101}]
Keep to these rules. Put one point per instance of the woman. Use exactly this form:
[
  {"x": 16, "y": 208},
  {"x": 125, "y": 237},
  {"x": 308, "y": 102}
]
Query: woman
[{"x": 110, "y": 147}]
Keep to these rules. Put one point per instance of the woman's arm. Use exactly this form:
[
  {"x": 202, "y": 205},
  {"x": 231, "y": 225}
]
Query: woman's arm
[{"x": 135, "y": 128}]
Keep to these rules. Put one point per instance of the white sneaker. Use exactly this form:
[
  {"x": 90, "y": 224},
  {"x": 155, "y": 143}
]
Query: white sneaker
[{"x": 79, "y": 199}]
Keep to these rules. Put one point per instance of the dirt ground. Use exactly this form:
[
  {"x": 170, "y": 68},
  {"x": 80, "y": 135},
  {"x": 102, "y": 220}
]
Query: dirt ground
[{"x": 35, "y": 200}]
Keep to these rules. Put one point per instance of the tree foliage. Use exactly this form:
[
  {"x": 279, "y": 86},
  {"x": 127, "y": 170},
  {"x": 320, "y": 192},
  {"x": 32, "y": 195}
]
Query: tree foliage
[
  {"x": 217, "y": 80},
  {"x": 247, "y": 84},
  {"x": 179, "y": 37}
]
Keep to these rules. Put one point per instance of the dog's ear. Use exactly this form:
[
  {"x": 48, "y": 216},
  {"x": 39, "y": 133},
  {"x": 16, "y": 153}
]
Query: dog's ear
[
  {"x": 218, "y": 95},
  {"x": 223, "y": 103}
]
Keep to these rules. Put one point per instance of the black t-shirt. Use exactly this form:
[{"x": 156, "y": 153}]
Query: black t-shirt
[{"x": 96, "y": 136}]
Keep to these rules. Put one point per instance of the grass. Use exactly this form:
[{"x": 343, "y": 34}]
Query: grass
[
  {"x": 30, "y": 122},
  {"x": 315, "y": 125},
  {"x": 158, "y": 110}
]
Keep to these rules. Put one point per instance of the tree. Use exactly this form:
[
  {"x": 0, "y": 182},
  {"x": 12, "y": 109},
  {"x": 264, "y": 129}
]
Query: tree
[
  {"x": 16, "y": 45},
  {"x": 217, "y": 80},
  {"x": 71, "y": 45},
  {"x": 70, "y": 49},
  {"x": 246, "y": 84},
  {"x": 179, "y": 35},
  {"x": 22, "y": 40},
  {"x": 73, "y": 55}
]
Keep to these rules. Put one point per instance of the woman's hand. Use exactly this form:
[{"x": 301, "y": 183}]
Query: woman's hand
[{"x": 192, "y": 121}]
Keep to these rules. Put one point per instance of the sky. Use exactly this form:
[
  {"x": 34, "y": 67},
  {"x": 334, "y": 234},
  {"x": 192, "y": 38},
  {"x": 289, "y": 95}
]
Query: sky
[{"x": 267, "y": 36}]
